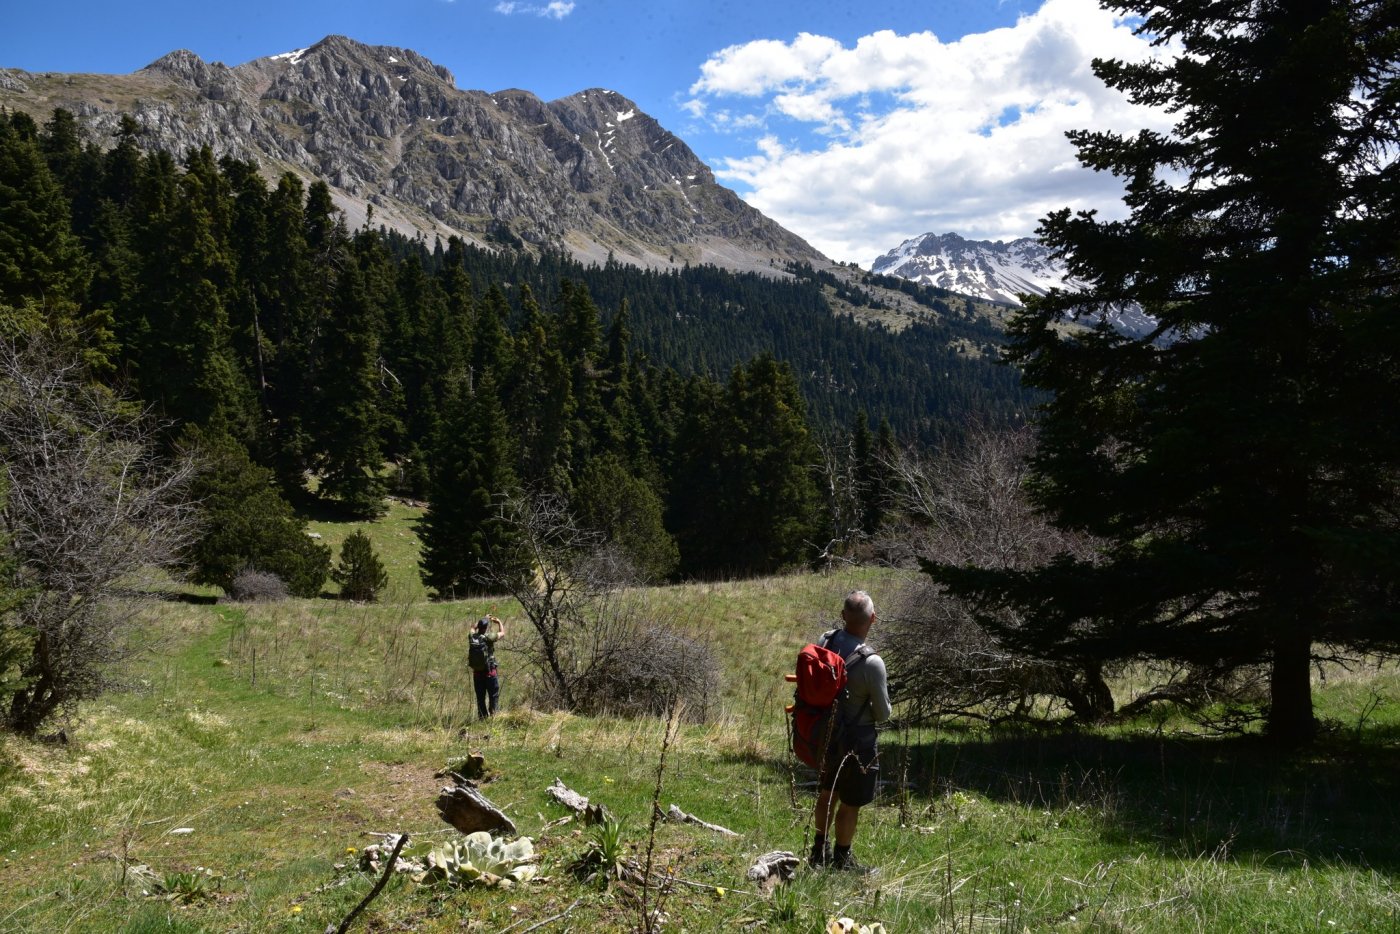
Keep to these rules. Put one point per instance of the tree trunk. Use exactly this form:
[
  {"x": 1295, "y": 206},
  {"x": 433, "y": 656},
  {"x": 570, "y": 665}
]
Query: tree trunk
[
  {"x": 1291, "y": 722},
  {"x": 1087, "y": 693}
]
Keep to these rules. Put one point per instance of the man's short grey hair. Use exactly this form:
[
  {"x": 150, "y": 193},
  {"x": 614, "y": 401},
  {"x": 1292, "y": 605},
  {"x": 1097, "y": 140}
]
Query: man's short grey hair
[{"x": 859, "y": 605}]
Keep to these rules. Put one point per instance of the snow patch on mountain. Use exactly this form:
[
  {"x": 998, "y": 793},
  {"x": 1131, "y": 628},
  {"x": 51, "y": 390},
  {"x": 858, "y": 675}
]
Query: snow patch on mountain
[{"x": 293, "y": 57}]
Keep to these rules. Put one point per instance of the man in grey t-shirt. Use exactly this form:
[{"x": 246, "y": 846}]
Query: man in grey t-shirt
[{"x": 852, "y": 763}]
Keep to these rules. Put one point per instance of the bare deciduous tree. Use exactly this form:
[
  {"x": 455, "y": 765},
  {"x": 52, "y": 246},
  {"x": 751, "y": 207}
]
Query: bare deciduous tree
[
  {"x": 969, "y": 507},
  {"x": 600, "y": 647},
  {"x": 840, "y": 486},
  {"x": 90, "y": 508}
]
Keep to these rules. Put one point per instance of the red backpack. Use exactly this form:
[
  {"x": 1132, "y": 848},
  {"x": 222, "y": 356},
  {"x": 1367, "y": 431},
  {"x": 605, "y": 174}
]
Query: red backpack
[{"x": 821, "y": 684}]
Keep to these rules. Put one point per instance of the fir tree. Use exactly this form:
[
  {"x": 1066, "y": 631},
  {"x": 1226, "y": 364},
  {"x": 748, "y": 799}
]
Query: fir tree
[
  {"x": 43, "y": 268},
  {"x": 539, "y": 402},
  {"x": 345, "y": 425},
  {"x": 625, "y": 509},
  {"x": 359, "y": 572},
  {"x": 465, "y": 540},
  {"x": 292, "y": 305},
  {"x": 247, "y": 524},
  {"x": 746, "y": 499},
  {"x": 187, "y": 362},
  {"x": 1239, "y": 461}
]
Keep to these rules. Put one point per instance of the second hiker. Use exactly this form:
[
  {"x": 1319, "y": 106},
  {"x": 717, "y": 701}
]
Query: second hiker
[{"x": 482, "y": 659}]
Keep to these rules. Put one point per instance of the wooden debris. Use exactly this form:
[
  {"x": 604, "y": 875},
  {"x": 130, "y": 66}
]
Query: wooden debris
[
  {"x": 467, "y": 809},
  {"x": 591, "y": 813},
  {"x": 473, "y": 767},
  {"x": 676, "y": 814},
  {"x": 772, "y": 868}
]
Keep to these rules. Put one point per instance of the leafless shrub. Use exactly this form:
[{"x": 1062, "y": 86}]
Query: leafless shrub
[
  {"x": 91, "y": 508},
  {"x": 608, "y": 563},
  {"x": 253, "y": 586},
  {"x": 632, "y": 661},
  {"x": 945, "y": 664},
  {"x": 556, "y": 598},
  {"x": 598, "y": 646},
  {"x": 969, "y": 506}
]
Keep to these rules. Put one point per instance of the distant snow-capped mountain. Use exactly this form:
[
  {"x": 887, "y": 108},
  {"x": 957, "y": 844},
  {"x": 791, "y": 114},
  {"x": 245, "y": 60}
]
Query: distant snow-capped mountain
[{"x": 992, "y": 270}]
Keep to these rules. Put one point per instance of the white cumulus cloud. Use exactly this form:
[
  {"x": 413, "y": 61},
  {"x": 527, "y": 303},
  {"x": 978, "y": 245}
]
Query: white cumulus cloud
[
  {"x": 558, "y": 9},
  {"x": 857, "y": 149}
]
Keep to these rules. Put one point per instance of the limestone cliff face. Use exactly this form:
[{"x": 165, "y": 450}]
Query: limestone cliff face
[{"x": 387, "y": 128}]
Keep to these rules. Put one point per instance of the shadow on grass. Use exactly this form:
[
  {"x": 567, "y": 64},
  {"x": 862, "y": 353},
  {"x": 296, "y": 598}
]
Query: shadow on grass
[
  {"x": 196, "y": 599},
  {"x": 1189, "y": 796}
]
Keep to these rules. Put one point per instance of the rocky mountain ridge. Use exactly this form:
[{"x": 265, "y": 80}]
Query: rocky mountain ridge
[{"x": 392, "y": 134}]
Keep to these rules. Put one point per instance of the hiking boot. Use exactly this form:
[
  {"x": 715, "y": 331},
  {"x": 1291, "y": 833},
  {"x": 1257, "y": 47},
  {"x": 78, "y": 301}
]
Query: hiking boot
[
  {"x": 845, "y": 862},
  {"x": 820, "y": 857}
]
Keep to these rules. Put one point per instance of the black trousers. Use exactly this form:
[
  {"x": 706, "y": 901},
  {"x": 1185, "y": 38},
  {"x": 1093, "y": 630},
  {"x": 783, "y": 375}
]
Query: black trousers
[{"x": 488, "y": 693}]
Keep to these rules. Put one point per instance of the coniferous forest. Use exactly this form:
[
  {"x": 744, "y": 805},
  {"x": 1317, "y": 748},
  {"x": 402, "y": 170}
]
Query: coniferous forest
[{"x": 335, "y": 366}]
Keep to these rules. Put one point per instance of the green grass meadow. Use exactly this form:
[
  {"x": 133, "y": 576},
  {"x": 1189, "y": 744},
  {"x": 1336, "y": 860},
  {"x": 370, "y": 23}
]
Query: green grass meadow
[{"x": 260, "y": 746}]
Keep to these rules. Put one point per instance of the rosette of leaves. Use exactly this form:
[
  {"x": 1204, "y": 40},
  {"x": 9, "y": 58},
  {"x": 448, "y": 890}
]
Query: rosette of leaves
[
  {"x": 606, "y": 858},
  {"x": 479, "y": 859}
]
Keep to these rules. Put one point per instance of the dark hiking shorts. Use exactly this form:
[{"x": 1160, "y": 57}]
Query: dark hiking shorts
[{"x": 854, "y": 774}]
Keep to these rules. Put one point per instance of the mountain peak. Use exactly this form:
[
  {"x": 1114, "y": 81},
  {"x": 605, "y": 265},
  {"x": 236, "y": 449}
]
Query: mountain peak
[
  {"x": 998, "y": 271},
  {"x": 177, "y": 61},
  {"x": 334, "y": 54},
  {"x": 215, "y": 80}
]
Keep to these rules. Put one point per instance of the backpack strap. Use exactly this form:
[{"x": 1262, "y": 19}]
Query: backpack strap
[{"x": 861, "y": 653}]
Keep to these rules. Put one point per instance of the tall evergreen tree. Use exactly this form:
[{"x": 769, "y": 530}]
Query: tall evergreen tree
[
  {"x": 43, "y": 267},
  {"x": 345, "y": 420},
  {"x": 292, "y": 306},
  {"x": 579, "y": 333},
  {"x": 187, "y": 361},
  {"x": 746, "y": 496},
  {"x": 465, "y": 541},
  {"x": 539, "y": 401},
  {"x": 626, "y": 510},
  {"x": 867, "y": 478},
  {"x": 1240, "y": 462}
]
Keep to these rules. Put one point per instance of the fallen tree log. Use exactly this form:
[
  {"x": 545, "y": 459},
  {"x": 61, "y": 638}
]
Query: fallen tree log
[{"x": 679, "y": 816}]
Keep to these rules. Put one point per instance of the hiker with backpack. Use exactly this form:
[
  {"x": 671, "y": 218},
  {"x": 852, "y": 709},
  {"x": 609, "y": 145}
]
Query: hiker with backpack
[
  {"x": 481, "y": 656},
  {"x": 842, "y": 744}
]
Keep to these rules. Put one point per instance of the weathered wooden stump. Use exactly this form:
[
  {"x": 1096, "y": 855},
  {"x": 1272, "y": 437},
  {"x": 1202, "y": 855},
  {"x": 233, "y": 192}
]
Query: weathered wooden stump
[{"x": 473, "y": 767}]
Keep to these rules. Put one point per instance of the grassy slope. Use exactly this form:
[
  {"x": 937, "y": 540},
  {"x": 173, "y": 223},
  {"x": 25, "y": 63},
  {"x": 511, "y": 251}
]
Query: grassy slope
[{"x": 282, "y": 734}]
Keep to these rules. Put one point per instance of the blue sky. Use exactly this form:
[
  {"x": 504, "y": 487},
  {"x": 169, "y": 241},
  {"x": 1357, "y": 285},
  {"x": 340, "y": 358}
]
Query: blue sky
[{"x": 855, "y": 125}]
